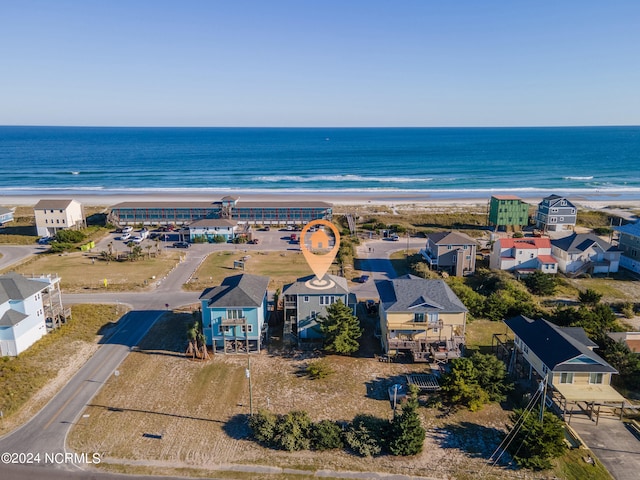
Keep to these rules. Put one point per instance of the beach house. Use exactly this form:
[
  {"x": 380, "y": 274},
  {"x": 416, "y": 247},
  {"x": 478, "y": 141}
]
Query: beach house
[
  {"x": 556, "y": 213},
  {"x": 234, "y": 314},
  {"x": 421, "y": 318},
  {"x": 629, "y": 245},
  {"x": 52, "y": 215},
  {"x": 508, "y": 211},
  {"x": 6, "y": 215},
  {"x": 585, "y": 253},
  {"x": 304, "y": 302},
  {"x": 564, "y": 358},
  {"x": 451, "y": 252},
  {"x": 24, "y": 311},
  {"x": 523, "y": 255},
  {"x": 209, "y": 228}
]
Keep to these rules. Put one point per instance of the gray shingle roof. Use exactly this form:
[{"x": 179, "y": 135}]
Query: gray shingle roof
[
  {"x": 17, "y": 287},
  {"x": 579, "y": 242},
  {"x": 413, "y": 294},
  {"x": 213, "y": 222},
  {"x": 559, "y": 349},
  {"x": 243, "y": 290},
  {"x": 451, "y": 238},
  {"x": 299, "y": 287},
  {"x": 53, "y": 203},
  {"x": 11, "y": 318}
]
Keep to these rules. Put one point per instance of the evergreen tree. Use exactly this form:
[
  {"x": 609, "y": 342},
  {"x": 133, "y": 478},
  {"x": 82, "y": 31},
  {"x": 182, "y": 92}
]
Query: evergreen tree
[
  {"x": 491, "y": 375},
  {"x": 535, "y": 444},
  {"x": 541, "y": 283},
  {"x": 407, "y": 433},
  {"x": 341, "y": 329},
  {"x": 461, "y": 385}
]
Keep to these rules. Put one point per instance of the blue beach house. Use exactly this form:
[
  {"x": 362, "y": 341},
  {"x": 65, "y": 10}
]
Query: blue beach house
[
  {"x": 6, "y": 215},
  {"x": 234, "y": 314}
]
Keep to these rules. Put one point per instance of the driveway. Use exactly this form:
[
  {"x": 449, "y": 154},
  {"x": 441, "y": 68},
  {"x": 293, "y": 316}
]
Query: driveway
[
  {"x": 614, "y": 445},
  {"x": 12, "y": 254}
]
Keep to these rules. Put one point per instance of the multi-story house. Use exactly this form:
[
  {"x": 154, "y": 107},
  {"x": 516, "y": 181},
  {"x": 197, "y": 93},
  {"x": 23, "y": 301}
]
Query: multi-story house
[
  {"x": 585, "y": 253},
  {"x": 629, "y": 244},
  {"x": 23, "y": 315},
  {"x": 422, "y": 318},
  {"x": 523, "y": 255},
  {"x": 303, "y": 303},
  {"x": 451, "y": 252},
  {"x": 564, "y": 359},
  {"x": 508, "y": 211},
  {"x": 208, "y": 228},
  {"x": 234, "y": 314},
  {"x": 6, "y": 215},
  {"x": 556, "y": 213},
  {"x": 53, "y": 215}
]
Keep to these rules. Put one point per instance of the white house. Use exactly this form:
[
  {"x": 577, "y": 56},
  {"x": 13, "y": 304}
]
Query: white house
[
  {"x": 211, "y": 227},
  {"x": 22, "y": 313},
  {"x": 6, "y": 215},
  {"x": 523, "y": 255},
  {"x": 585, "y": 252},
  {"x": 53, "y": 215}
]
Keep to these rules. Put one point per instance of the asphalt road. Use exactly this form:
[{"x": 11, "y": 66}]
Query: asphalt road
[{"x": 14, "y": 253}]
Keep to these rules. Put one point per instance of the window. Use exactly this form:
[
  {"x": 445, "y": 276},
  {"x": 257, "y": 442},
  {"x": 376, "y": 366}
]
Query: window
[
  {"x": 57, "y": 220},
  {"x": 223, "y": 329},
  {"x": 234, "y": 313},
  {"x": 562, "y": 219},
  {"x": 566, "y": 377},
  {"x": 418, "y": 317},
  {"x": 249, "y": 328},
  {"x": 531, "y": 255},
  {"x": 313, "y": 314},
  {"x": 545, "y": 370},
  {"x": 327, "y": 299},
  {"x": 46, "y": 221},
  {"x": 595, "y": 378},
  {"x": 305, "y": 299}
]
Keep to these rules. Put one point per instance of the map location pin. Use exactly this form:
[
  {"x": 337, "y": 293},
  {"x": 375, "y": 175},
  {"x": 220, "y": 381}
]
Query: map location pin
[{"x": 319, "y": 250}]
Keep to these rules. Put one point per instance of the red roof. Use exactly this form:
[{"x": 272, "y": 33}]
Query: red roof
[
  {"x": 525, "y": 242},
  {"x": 547, "y": 259}
]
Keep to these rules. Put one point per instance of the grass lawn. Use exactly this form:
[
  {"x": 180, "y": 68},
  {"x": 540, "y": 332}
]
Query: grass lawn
[
  {"x": 79, "y": 273},
  {"x": 620, "y": 287},
  {"x": 58, "y": 354},
  {"x": 400, "y": 263},
  {"x": 479, "y": 334},
  {"x": 281, "y": 267}
]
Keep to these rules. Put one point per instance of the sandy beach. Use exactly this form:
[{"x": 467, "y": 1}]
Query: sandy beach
[{"x": 400, "y": 199}]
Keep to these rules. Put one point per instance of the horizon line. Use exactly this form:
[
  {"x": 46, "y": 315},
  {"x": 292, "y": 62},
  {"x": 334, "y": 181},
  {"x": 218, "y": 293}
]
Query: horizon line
[{"x": 319, "y": 126}]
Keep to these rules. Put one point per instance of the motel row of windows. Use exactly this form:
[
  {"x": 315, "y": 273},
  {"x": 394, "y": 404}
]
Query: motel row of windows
[
  {"x": 227, "y": 328},
  {"x": 57, "y": 221}
]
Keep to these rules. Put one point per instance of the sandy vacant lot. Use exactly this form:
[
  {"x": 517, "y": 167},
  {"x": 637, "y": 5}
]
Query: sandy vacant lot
[{"x": 165, "y": 409}]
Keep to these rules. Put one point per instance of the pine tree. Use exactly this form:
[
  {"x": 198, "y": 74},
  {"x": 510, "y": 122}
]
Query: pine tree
[
  {"x": 341, "y": 329},
  {"x": 407, "y": 433}
]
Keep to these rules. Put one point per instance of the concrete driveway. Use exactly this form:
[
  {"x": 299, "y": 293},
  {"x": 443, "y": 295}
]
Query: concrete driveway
[{"x": 614, "y": 445}]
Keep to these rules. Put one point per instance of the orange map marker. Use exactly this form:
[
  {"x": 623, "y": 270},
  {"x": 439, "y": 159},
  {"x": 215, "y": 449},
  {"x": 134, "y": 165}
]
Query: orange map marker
[{"x": 319, "y": 254}]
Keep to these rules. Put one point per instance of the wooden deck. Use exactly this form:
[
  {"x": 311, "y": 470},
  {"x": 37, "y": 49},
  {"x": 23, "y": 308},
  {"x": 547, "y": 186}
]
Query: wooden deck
[{"x": 425, "y": 382}]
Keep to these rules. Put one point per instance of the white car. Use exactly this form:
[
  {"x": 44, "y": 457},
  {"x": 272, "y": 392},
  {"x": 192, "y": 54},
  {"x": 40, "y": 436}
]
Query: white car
[
  {"x": 125, "y": 236},
  {"x": 127, "y": 230},
  {"x": 137, "y": 239}
]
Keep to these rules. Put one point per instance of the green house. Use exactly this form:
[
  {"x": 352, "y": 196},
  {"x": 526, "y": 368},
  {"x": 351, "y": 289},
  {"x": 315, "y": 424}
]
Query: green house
[{"x": 508, "y": 211}]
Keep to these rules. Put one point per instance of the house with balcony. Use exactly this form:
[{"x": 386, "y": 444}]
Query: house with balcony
[
  {"x": 564, "y": 358},
  {"x": 508, "y": 211},
  {"x": 629, "y": 246},
  {"x": 52, "y": 215},
  {"x": 304, "y": 302},
  {"x": 234, "y": 314},
  {"x": 555, "y": 213},
  {"x": 523, "y": 255},
  {"x": 451, "y": 252},
  {"x": 585, "y": 253},
  {"x": 25, "y": 310},
  {"x": 6, "y": 215},
  {"x": 421, "y": 318}
]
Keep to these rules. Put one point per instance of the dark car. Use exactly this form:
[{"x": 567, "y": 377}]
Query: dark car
[
  {"x": 181, "y": 245},
  {"x": 363, "y": 279}
]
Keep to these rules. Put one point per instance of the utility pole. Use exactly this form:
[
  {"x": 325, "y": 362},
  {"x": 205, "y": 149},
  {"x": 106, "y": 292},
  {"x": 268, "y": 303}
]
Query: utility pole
[
  {"x": 248, "y": 374},
  {"x": 543, "y": 387}
]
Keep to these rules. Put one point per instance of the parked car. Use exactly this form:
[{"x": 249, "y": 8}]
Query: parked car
[
  {"x": 125, "y": 236},
  {"x": 254, "y": 241},
  {"x": 127, "y": 230},
  {"x": 363, "y": 279},
  {"x": 44, "y": 240},
  {"x": 181, "y": 245},
  {"x": 137, "y": 239},
  {"x": 395, "y": 238}
]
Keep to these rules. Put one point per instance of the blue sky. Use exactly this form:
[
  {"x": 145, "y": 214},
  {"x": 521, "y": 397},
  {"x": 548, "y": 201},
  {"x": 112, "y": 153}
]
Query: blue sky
[{"x": 320, "y": 63}]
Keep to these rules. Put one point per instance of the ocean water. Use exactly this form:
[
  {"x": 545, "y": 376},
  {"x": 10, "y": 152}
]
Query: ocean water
[{"x": 444, "y": 162}]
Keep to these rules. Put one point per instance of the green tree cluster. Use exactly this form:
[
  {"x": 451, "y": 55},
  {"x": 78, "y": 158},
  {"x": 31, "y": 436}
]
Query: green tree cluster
[
  {"x": 535, "y": 444},
  {"x": 70, "y": 236},
  {"x": 540, "y": 283},
  {"x": 476, "y": 381},
  {"x": 340, "y": 329}
]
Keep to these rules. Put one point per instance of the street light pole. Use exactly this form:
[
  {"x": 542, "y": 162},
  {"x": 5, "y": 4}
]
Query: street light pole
[{"x": 248, "y": 374}]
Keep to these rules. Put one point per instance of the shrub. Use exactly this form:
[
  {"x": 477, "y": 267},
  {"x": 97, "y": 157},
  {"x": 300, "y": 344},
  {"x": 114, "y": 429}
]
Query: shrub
[
  {"x": 60, "y": 247},
  {"x": 535, "y": 443},
  {"x": 70, "y": 236},
  {"x": 219, "y": 239},
  {"x": 361, "y": 441},
  {"x": 318, "y": 369},
  {"x": 602, "y": 231},
  {"x": 540, "y": 283},
  {"x": 589, "y": 297},
  {"x": 627, "y": 310},
  {"x": 263, "y": 425},
  {"x": 326, "y": 435},
  {"x": 407, "y": 433},
  {"x": 292, "y": 431}
]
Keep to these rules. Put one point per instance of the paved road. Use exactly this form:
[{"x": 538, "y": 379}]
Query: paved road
[
  {"x": 46, "y": 432},
  {"x": 14, "y": 253}
]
